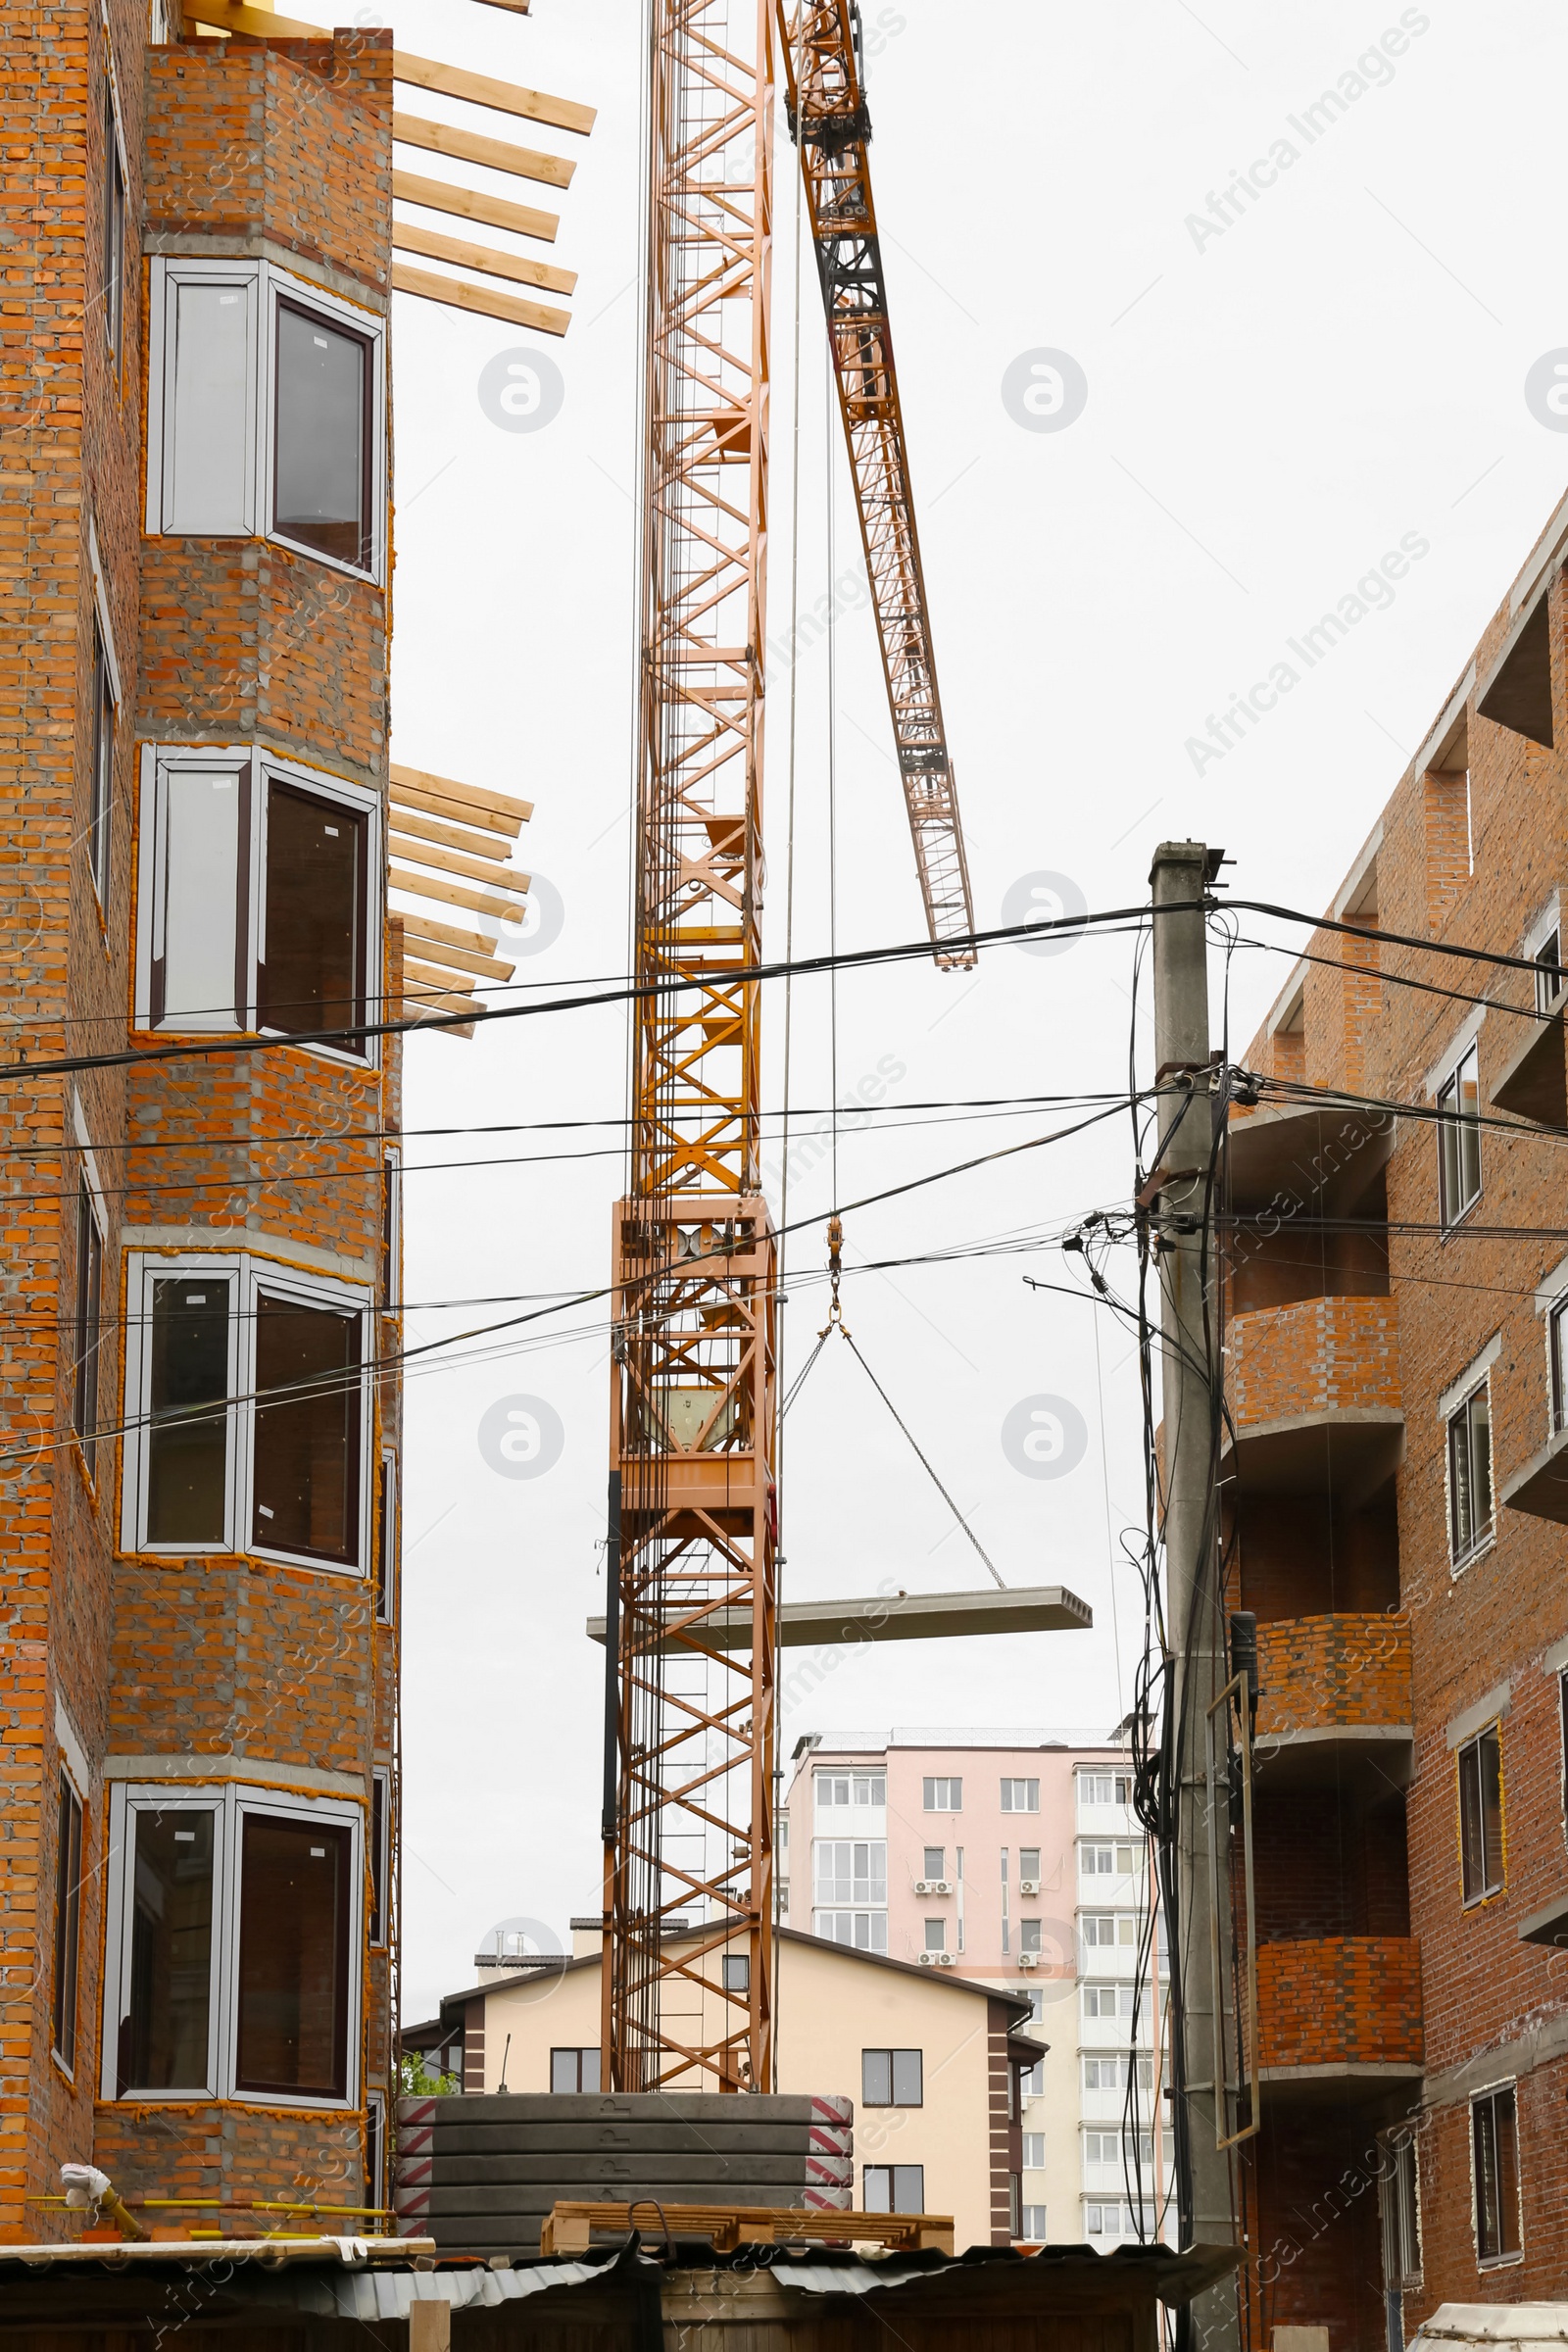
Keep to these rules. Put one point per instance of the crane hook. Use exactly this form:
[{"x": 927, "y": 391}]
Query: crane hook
[{"x": 835, "y": 1268}]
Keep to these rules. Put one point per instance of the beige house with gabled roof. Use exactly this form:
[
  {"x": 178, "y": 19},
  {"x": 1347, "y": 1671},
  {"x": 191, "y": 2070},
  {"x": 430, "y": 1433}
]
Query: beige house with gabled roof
[{"x": 930, "y": 2061}]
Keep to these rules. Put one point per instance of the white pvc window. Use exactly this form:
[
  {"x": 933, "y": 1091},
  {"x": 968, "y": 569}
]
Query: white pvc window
[
  {"x": 267, "y": 412},
  {"x": 1459, "y": 1138},
  {"x": 233, "y": 1941},
  {"x": 851, "y": 1870},
  {"x": 259, "y": 898},
  {"x": 248, "y": 1411}
]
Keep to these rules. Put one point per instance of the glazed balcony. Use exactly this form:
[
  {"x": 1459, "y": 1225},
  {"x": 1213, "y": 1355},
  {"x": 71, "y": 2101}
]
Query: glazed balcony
[
  {"x": 1341, "y": 2009},
  {"x": 1335, "y": 1698},
  {"x": 1315, "y": 1393}
]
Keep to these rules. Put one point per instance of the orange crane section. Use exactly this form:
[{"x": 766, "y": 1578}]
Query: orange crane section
[{"x": 832, "y": 130}]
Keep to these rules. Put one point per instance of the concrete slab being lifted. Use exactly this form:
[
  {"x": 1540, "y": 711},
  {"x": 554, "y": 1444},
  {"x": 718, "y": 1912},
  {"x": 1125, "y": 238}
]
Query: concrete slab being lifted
[{"x": 902, "y": 1617}]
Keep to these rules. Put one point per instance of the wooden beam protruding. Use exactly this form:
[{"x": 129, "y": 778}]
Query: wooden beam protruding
[
  {"x": 461, "y": 297},
  {"x": 466, "y": 204},
  {"x": 483, "y": 90},
  {"x": 488, "y": 257},
  {"x": 472, "y": 147},
  {"x": 488, "y": 804}
]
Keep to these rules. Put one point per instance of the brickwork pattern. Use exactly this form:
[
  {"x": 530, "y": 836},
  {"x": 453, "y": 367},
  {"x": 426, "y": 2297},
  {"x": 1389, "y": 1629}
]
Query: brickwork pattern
[
  {"x": 1315, "y": 1356},
  {"x": 249, "y": 150},
  {"x": 1348, "y": 1668},
  {"x": 1355, "y": 1999},
  {"x": 1469, "y": 856}
]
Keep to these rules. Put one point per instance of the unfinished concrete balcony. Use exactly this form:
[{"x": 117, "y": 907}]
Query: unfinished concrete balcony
[
  {"x": 1338, "y": 2012},
  {"x": 1314, "y": 1395},
  {"x": 1336, "y": 1700}
]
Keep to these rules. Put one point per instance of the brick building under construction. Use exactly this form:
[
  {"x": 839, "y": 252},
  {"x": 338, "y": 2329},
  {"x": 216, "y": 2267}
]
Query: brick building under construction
[
  {"x": 200, "y": 1241},
  {"x": 1397, "y": 1480}
]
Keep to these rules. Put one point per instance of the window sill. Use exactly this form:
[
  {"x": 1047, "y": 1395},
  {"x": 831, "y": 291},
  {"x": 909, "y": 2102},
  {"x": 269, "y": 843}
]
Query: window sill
[
  {"x": 1451, "y": 1225},
  {"x": 1481, "y": 1902},
  {"x": 1498, "y": 2262},
  {"x": 370, "y": 574}
]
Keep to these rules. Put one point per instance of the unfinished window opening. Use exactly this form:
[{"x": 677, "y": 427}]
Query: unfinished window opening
[
  {"x": 1495, "y": 2142},
  {"x": 68, "y": 1924},
  {"x": 1470, "y": 1476},
  {"x": 1481, "y": 1816},
  {"x": 307, "y": 1429},
  {"x": 293, "y": 1993},
  {"x": 88, "y": 1324},
  {"x": 1517, "y": 694},
  {"x": 1459, "y": 1138}
]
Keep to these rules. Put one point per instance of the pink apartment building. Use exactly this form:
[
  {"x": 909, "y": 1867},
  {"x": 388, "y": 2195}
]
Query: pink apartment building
[{"x": 1011, "y": 1858}]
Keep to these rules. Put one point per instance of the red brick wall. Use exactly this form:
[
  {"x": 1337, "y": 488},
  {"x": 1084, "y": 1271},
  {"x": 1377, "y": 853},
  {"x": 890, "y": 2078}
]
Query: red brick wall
[
  {"x": 1354, "y": 1998},
  {"x": 1492, "y": 2005},
  {"x": 1324, "y": 1670},
  {"x": 1318, "y": 1354},
  {"x": 247, "y": 148}
]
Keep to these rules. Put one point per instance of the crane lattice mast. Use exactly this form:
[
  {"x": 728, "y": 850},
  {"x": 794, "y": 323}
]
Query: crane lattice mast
[
  {"x": 691, "y": 1599},
  {"x": 688, "y": 1811}
]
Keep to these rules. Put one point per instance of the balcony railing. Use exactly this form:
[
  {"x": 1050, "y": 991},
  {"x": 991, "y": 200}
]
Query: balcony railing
[
  {"x": 1320, "y": 1673},
  {"x": 1321, "y": 1355},
  {"x": 1341, "y": 2003}
]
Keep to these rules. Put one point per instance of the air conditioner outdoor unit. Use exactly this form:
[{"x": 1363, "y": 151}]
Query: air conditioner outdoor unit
[
  {"x": 945, "y": 1959},
  {"x": 1028, "y": 1959},
  {"x": 922, "y": 1886},
  {"x": 928, "y": 1959},
  {"x": 1028, "y": 1886}
]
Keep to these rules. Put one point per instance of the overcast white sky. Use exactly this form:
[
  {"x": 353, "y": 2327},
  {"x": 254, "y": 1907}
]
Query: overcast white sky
[{"x": 1271, "y": 407}]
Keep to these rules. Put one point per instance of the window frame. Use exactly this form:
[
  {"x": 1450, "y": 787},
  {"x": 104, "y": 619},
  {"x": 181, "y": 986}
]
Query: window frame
[
  {"x": 254, "y": 767},
  {"x": 101, "y": 777},
  {"x": 115, "y": 217},
  {"x": 232, "y": 1803},
  {"x": 267, "y": 288},
  {"x": 386, "y": 1535},
  {"x": 1489, "y": 1885},
  {"x": 1452, "y": 1122},
  {"x": 1488, "y": 2100},
  {"x": 946, "y": 1780},
  {"x": 87, "y": 1317},
  {"x": 1031, "y": 1791},
  {"x": 247, "y": 1272},
  {"x": 891, "y": 2173},
  {"x": 65, "y": 2002},
  {"x": 577, "y": 2052},
  {"x": 1458, "y": 1427},
  {"x": 1400, "y": 2212},
  {"x": 378, "y": 1859}
]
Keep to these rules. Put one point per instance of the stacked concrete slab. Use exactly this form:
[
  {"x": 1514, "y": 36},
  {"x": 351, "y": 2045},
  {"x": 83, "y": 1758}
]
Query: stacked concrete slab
[{"x": 478, "y": 2174}]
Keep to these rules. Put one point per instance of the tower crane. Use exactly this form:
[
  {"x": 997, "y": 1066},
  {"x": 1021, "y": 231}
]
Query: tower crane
[{"x": 690, "y": 1581}]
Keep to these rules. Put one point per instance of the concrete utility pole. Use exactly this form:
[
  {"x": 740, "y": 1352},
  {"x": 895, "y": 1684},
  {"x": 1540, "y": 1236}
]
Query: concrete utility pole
[{"x": 1181, "y": 873}]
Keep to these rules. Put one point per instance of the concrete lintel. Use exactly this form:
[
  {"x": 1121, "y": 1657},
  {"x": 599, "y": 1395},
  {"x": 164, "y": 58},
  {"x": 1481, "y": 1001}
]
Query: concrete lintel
[
  {"x": 255, "y": 1771},
  {"x": 899, "y": 1617},
  {"x": 1475, "y": 1719}
]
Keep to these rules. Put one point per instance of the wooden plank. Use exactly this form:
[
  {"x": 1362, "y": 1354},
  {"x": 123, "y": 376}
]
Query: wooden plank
[
  {"x": 427, "y": 975},
  {"x": 447, "y": 862},
  {"x": 476, "y": 796},
  {"x": 488, "y": 257},
  {"x": 459, "y": 959},
  {"x": 425, "y": 926},
  {"x": 426, "y": 886},
  {"x": 458, "y": 297},
  {"x": 483, "y": 90},
  {"x": 451, "y": 837},
  {"x": 568, "y": 2226},
  {"x": 472, "y": 147},
  {"x": 257, "y": 24},
  {"x": 466, "y": 204},
  {"x": 518, "y": 8},
  {"x": 434, "y": 805}
]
